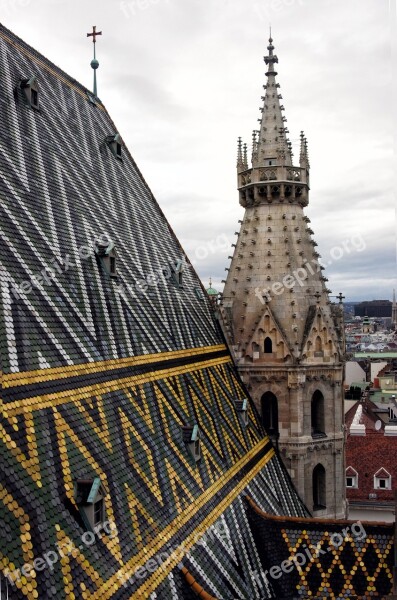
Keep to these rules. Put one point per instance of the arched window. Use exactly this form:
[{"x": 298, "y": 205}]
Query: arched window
[
  {"x": 270, "y": 413},
  {"x": 317, "y": 414},
  {"x": 319, "y": 488},
  {"x": 268, "y": 346},
  {"x": 318, "y": 346}
]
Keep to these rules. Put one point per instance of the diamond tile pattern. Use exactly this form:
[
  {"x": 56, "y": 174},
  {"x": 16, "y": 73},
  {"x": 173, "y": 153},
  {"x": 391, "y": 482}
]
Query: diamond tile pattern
[{"x": 330, "y": 559}]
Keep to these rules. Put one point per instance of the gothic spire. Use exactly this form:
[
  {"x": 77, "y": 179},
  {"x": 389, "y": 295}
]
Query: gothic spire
[
  {"x": 304, "y": 155},
  {"x": 240, "y": 164},
  {"x": 272, "y": 142}
]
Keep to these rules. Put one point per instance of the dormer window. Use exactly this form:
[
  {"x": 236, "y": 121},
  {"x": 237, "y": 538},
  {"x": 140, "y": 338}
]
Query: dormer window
[
  {"x": 242, "y": 410},
  {"x": 199, "y": 293},
  {"x": 351, "y": 478},
  {"x": 90, "y": 499},
  {"x": 191, "y": 437},
  {"x": 382, "y": 480},
  {"x": 104, "y": 249},
  {"x": 91, "y": 98},
  {"x": 114, "y": 143},
  {"x": 31, "y": 91},
  {"x": 177, "y": 269}
]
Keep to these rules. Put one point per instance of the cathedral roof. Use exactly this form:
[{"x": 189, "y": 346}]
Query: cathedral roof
[{"x": 129, "y": 442}]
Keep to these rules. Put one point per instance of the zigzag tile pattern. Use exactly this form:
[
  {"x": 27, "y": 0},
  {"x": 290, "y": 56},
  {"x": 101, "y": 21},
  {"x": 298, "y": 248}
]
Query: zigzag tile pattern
[{"x": 99, "y": 374}]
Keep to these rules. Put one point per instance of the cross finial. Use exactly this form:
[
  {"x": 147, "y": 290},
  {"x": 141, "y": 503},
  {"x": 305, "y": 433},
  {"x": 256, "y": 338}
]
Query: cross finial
[
  {"x": 94, "y": 33},
  {"x": 94, "y": 62}
]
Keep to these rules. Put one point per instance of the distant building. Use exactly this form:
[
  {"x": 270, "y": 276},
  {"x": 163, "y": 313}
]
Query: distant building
[
  {"x": 371, "y": 461},
  {"x": 212, "y": 293},
  {"x": 373, "y": 308},
  {"x": 367, "y": 326}
]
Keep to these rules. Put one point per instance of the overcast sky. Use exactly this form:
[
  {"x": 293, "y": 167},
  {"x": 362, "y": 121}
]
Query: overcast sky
[{"x": 182, "y": 79}]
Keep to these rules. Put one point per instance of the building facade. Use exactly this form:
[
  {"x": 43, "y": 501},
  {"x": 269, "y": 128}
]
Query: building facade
[
  {"x": 286, "y": 336},
  {"x": 371, "y": 452},
  {"x": 374, "y": 308}
]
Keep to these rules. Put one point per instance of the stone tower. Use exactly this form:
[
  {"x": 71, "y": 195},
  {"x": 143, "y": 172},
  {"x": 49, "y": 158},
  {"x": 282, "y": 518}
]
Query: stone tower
[
  {"x": 286, "y": 336},
  {"x": 394, "y": 310}
]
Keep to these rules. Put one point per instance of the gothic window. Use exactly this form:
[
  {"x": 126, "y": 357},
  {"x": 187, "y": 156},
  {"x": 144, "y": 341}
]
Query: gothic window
[
  {"x": 318, "y": 346},
  {"x": 270, "y": 413},
  {"x": 275, "y": 191},
  {"x": 317, "y": 414},
  {"x": 319, "y": 488},
  {"x": 255, "y": 350},
  {"x": 268, "y": 346}
]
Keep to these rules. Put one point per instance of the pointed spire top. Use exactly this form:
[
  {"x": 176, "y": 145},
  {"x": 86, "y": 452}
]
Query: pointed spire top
[
  {"x": 240, "y": 163},
  {"x": 245, "y": 156},
  {"x": 271, "y": 58},
  {"x": 304, "y": 154}
]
